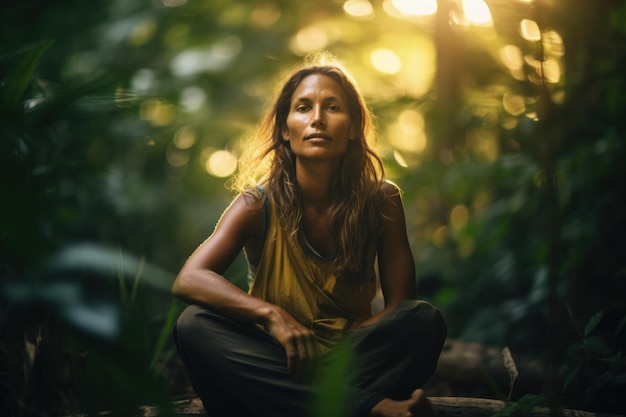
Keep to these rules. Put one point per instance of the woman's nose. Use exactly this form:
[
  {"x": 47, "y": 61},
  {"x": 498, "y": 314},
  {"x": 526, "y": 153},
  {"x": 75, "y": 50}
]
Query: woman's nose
[{"x": 318, "y": 117}]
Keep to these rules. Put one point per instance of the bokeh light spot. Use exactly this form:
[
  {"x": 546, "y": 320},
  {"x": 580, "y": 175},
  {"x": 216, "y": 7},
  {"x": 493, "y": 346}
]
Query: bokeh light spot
[
  {"x": 184, "y": 138},
  {"x": 176, "y": 157},
  {"x": 385, "y": 61},
  {"x": 174, "y": 3},
  {"x": 459, "y": 215},
  {"x": 415, "y": 7},
  {"x": 221, "y": 163},
  {"x": 440, "y": 237},
  {"x": 513, "y": 104},
  {"x": 552, "y": 70},
  {"x": 361, "y": 9},
  {"x": 400, "y": 159},
  {"x": 408, "y": 134},
  {"x": 264, "y": 15},
  {"x": 157, "y": 112},
  {"x": 477, "y": 12},
  {"x": 511, "y": 57},
  {"x": 484, "y": 142},
  {"x": 309, "y": 39},
  {"x": 192, "y": 98},
  {"x": 465, "y": 247},
  {"x": 142, "y": 33},
  {"x": 529, "y": 30}
]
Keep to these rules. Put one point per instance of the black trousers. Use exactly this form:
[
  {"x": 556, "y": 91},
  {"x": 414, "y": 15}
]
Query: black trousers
[{"x": 237, "y": 369}]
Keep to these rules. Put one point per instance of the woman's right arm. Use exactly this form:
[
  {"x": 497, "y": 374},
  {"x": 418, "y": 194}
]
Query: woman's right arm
[{"x": 201, "y": 281}]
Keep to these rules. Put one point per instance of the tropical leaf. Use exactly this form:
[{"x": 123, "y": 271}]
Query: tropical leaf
[{"x": 18, "y": 78}]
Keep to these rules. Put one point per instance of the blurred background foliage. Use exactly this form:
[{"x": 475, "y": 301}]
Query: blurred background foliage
[{"x": 121, "y": 121}]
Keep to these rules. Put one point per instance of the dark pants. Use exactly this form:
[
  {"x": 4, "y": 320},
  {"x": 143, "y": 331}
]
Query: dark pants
[{"x": 239, "y": 370}]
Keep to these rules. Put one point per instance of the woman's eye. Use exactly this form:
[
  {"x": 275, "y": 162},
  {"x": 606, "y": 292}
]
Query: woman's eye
[
  {"x": 332, "y": 107},
  {"x": 302, "y": 108}
]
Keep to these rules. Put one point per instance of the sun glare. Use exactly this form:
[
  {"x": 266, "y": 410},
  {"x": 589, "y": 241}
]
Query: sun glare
[
  {"x": 477, "y": 12},
  {"x": 415, "y": 7},
  {"x": 221, "y": 163},
  {"x": 385, "y": 61},
  {"x": 309, "y": 39},
  {"x": 529, "y": 30},
  {"x": 360, "y": 9}
]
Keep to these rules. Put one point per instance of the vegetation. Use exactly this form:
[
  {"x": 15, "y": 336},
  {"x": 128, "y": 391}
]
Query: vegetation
[{"x": 121, "y": 121}]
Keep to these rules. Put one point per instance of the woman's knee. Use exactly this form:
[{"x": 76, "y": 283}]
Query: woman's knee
[
  {"x": 424, "y": 318},
  {"x": 187, "y": 323}
]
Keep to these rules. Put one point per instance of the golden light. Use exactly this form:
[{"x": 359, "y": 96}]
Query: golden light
[
  {"x": 192, "y": 98},
  {"x": 509, "y": 123},
  {"x": 361, "y": 9},
  {"x": 553, "y": 43},
  {"x": 481, "y": 199},
  {"x": 408, "y": 134},
  {"x": 125, "y": 98},
  {"x": 221, "y": 163},
  {"x": 511, "y": 57},
  {"x": 175, "y": 157},
  {"x": 552, "y": 70},
  {"x": 415, "y": 7},
  {"x": 477, "y": 12},
  {"x": 177, "y": 36},
  {"x": 529, "y": 30},
  {"x": 385, "y": 61},
  {"x": 142, "y": 33},
  {"x": 157, "y": 112},
  {"x": 173, "y": 3},
  {"x": 440, "y": 237},
  {"x": 465, "y": 247},
  {"x": 264, "y": 15},
  {"x": 309, "y": 39},
  {"x": 513, "y": 104},
  {"x": 459, "y": 216},
  {"x": 184, "y": 138},
  {"x": 484, "y": 142},
  {"x": 400, "y": 159}
]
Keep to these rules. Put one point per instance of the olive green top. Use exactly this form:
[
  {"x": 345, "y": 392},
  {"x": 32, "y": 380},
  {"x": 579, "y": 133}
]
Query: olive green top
[{"x": 292, "y": 275}]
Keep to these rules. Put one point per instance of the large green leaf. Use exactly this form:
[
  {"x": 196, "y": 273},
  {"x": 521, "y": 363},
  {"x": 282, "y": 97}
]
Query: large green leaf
[{"x": 19, "y": 77}]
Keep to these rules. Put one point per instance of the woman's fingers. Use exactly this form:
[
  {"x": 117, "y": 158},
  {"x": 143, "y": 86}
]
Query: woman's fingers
[
  {"x": 300, "y": 344},
  {"x": 304, "y": 352}
]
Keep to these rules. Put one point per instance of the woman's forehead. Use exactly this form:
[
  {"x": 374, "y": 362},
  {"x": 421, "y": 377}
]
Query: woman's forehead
[{"x": 319, "y": 86}]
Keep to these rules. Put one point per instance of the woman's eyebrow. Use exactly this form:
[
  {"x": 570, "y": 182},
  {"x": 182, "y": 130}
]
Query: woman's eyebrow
[{"x": 325, "y": 99}]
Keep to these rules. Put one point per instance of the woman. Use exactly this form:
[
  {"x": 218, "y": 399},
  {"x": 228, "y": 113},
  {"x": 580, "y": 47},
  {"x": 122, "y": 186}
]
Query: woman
[{"x": 317, "y": 223}]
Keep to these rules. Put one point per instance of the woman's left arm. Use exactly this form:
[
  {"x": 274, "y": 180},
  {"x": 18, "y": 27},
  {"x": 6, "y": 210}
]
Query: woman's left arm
[{"x": 395, "y": 259}]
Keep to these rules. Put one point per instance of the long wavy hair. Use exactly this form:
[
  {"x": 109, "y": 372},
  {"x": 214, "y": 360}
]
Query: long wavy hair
[{"x": 357, "y": 198}]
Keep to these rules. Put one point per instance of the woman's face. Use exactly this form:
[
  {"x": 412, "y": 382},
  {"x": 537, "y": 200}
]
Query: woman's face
[{"x": 318, "y": 124}]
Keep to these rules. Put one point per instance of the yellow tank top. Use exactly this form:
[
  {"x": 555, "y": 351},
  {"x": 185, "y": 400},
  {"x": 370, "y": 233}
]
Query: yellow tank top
[{"x": 293, "y": 276}]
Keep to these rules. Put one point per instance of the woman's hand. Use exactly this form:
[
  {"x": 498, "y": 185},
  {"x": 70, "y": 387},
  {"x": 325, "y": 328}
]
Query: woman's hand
[{"x": 300, "y": 344}]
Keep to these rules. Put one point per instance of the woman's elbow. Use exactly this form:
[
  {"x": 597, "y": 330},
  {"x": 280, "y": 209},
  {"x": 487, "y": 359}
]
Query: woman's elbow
[{"x": 179, "y": 288}]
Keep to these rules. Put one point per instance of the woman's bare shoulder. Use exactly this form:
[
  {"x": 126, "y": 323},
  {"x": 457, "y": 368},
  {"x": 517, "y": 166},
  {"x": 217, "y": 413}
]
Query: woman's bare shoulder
[
  {"x": 248, "y": 208},
  {"x": 391, "y": 191}
]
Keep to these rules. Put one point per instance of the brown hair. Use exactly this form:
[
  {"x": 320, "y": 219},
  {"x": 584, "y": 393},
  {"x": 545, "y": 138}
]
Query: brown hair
[{"x": 356, "y": 210}]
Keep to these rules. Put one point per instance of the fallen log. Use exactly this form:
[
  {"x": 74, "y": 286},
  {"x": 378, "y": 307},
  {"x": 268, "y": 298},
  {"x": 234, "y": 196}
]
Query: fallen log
[
  {"x": 481, "y": 367},
  {"x": 442, "y": 407}
]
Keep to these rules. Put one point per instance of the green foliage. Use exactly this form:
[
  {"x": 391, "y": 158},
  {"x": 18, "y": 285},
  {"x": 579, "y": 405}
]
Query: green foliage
[
  {"x": 332, "y": 386},
  {"x": 19, "y": 76},
  {"x": 594, "y": 371},
  {"x": 93, "y": 97},
  {"x": 521, "y": 407}
]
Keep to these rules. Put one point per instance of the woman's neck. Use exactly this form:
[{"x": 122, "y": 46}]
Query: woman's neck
[{"x": 315, "y": 182}]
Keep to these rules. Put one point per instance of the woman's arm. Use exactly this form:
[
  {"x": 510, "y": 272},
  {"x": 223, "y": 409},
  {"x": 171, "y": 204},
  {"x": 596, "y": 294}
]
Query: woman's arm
[
  {"x": 395, "y": 260},
  {"x": 201, "y": 281}
]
